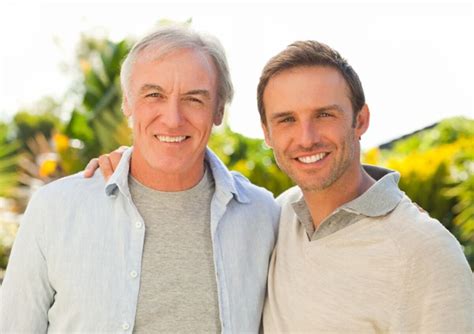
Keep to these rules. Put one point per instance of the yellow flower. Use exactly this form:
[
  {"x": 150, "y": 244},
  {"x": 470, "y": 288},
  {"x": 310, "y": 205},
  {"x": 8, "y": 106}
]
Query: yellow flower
[
  {"x": 61, "y": 142},
  {"x": 424, "y": 165},
  {"x": 372, "y": 156},
  {"x": 47, "y": 168},
  {"x": 85, "y": 65}
]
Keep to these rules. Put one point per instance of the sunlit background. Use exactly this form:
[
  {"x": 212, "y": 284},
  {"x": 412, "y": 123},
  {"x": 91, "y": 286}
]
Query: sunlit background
[
  {"x": 60, "y": 94},
  {"x": 414, "y": 58}
]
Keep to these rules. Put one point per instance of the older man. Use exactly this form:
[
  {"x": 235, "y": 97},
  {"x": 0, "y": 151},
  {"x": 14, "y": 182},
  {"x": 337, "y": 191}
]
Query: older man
[
  {"x": 173, "y": 242},
  {"x": 354, "y": 254}
]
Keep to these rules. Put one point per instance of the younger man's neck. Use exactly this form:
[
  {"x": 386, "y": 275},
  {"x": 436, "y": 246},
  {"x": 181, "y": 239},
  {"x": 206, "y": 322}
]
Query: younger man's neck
[{"x": 322, "y": 204}]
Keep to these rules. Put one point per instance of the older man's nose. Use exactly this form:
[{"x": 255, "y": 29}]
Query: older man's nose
[{"x": 172, "y": 114}]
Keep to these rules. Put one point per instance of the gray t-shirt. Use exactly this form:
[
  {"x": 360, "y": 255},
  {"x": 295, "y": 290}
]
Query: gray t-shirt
[{"x": 178, "y": 290}]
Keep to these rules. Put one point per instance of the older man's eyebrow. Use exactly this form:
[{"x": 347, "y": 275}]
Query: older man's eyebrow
[
  {"x": 202, "y": 92},
  {"x": 148, "y": 87}
]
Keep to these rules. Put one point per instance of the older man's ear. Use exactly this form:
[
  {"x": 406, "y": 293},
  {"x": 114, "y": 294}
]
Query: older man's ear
[{"x": 218, "y": 115}]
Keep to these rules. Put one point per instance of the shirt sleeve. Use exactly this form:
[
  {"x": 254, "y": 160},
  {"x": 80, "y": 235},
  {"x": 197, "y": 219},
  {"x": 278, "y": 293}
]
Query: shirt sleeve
[
  {"x": 439, "y": 290},
  {"x": 26, "y": 293}
]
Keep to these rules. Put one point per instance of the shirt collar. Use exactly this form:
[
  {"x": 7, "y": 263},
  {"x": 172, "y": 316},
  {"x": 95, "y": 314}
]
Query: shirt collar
[
  {"x": 226, "y": 185},
  {"x": 381, "y": 198},
  {"x": 119, "y": 179},
  {"x": 225, "y": 180}
]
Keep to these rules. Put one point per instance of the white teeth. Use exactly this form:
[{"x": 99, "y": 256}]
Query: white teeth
[
  {"x": 169, "y": 139},
  {"x": 312, "y": 158}
]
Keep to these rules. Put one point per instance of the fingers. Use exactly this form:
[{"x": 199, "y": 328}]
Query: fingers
[
  {"x": 106, "y": 162},
  {"x": 116, "y": 155},
  {"x": 106, "y": 166},
  {"x": 91, "y": 168},
  {"x": 114, "y": 158}
]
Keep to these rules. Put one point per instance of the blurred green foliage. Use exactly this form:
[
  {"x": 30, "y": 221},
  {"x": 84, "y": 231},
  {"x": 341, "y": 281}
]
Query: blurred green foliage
[
  {"x": 44, "y": 120},
  {"x": 98, "y": 120},
  {"x": 4, "y": 128},
  {"x": 437, "y": 172},
  {"x": 8, "y": 165},
  {"x": 7, "y": 236},
  {"x": 8, "y": 162},
  {"x": 251, "y": 157}
]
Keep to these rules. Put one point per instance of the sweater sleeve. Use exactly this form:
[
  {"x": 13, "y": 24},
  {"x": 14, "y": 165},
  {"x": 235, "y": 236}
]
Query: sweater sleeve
[{"x": 438, "y": 294}]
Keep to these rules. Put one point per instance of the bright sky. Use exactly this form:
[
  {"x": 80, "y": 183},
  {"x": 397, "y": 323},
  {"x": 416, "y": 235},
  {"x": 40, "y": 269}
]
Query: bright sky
[{"x": 415, "y": 58}]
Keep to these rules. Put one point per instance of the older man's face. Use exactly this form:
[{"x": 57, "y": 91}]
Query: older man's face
[{"x": 173, "y": 102}]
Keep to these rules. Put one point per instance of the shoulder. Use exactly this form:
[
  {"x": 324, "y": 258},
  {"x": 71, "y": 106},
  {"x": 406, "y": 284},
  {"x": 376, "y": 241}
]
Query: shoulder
[
  {"x": 408, "y": 217},
  {"x": 420, "y": 236},
  {"x": 66, "y": 206},
  {"x": 49, "y": 205},
  {"x": 286, "y": 200},
  {"x": 289, "y": 196},
  {"x": 68, "y": 189},
  {"x": 252, "y": 191},
  {"x": 434, "y": 266},
  {"x": 259, "y": 203}
]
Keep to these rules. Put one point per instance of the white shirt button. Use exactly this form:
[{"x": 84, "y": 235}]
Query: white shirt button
[
  {"x": 125, "y": 326},
  {"x": 138, "y": 224},
  {"x": 133, "y": 274}
]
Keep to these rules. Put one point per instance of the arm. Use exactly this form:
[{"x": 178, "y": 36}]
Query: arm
[
  {"x": 440, "y": 287},
  {"x": 26, "y": 294},
  {"x": 106, "y": 162}
]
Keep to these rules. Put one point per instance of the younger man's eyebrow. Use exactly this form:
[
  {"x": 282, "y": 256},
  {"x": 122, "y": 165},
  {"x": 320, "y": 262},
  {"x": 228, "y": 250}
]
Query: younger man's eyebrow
[
  {"x": 282, "y": 114},
  {"x": 331, "y": 107}
]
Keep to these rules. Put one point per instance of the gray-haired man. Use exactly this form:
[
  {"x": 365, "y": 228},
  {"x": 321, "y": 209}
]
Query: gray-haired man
[{"x": 173, "y": 242}]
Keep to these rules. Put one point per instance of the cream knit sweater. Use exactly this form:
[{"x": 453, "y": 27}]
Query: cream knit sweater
[{"x": 402, "y": 272}]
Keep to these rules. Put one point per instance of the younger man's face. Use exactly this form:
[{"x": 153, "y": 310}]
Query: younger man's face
[{"x": 310, "y": 126}]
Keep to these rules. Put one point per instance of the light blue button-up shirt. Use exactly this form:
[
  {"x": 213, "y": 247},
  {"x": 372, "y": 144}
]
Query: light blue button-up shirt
[{"x": 75, "y": 265}]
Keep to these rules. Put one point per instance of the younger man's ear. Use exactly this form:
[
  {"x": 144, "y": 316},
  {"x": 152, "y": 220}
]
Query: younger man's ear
[
  {"x": 266, "y": 134},
  {"x": 362, "y": 121}
]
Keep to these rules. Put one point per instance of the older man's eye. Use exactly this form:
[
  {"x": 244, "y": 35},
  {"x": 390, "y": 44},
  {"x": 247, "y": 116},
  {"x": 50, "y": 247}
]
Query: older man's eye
[
  {"x": 194, "y": 100},
  {"x": 154, "y": 95}
]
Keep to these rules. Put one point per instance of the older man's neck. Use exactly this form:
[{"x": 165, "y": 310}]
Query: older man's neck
[{"x": 166, "y": 181}]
